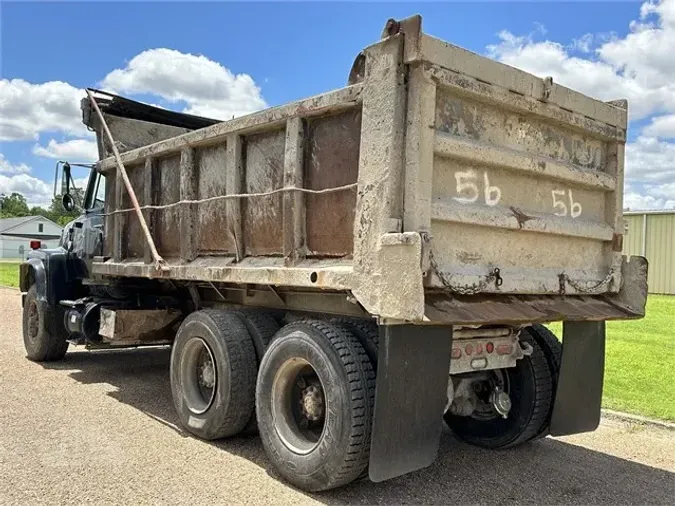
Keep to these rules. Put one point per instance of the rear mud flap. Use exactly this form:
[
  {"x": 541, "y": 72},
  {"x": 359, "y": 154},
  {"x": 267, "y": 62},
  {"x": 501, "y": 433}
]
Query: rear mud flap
[
  {"x": 412, "y": 379},
  {"x": 579, "y": 394}
]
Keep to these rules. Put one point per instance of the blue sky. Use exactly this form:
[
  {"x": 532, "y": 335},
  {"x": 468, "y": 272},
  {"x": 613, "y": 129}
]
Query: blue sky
[{"x": 292, "y": 50}]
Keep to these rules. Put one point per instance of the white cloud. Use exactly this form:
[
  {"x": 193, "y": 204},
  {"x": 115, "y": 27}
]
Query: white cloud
[
  {"x": 81, "y": 182},
  {"x": 35, "y": 191},
  {"x": 636, "y": 202},
  {"x": 73, "y": 150},
  {"x": 646, "y": 53},
  {"x": 583, "y": 43},
  {"x": 639, "y": 67},
  {"x": 661, "y": 126},
  {"x": 207, "y": 87},
  {"x": 8, "y": 168},
  {"x": 650, "y": 161},
  {"x": 27, "y": 109}
]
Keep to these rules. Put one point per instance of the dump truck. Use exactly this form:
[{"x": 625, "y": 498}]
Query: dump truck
[{"x": 347, "y": 273}]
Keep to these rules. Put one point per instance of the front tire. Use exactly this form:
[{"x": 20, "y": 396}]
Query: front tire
[
  {"x": 44, "y": 334},
  {"x": 314, "y": 402},
  {"x": 213, "y": 365},
  {"x": 531, "y": 391}
]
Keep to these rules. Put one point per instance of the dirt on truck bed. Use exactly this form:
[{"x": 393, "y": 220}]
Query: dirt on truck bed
[{"x": 64, "y": 442}]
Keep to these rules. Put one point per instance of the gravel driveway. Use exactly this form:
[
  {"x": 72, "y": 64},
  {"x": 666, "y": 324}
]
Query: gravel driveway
[{"x": 100, "y": 427}]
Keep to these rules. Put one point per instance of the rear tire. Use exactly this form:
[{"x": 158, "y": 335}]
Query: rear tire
[
  {"x": 314, "y": 402},
  {"x": 552, "y": 349},
  {"x": 262, "y": 327},
  {"x": 213, "y": 368},
  {"x": 44, "y": 333},
  {"x": 366, "y": 332},
  {"x": 530, "y": 389}
]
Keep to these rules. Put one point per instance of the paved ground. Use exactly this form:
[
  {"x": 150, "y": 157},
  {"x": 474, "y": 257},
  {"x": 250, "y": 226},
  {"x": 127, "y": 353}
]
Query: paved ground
[{"x": 100, "y": 428}]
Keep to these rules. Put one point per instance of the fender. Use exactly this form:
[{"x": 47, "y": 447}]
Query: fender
[
  {"x": 32, "y": 272},
  {"x": 49, "y": 270}
]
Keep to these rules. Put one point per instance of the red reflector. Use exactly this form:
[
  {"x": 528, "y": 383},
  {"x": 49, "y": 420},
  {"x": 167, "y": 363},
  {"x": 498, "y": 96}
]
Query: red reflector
[
  {"x": 35, "y": 245},
  {"x": 489, "y": 347},
  {"x": 468, "y": 349},
  {"x": 479, "y": 348},
  {"x": 504, "y": 349},
  {"x": 456, "y": 353}
]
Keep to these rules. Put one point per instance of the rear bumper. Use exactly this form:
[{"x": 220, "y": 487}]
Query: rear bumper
[{"x": 628, "y": 303}]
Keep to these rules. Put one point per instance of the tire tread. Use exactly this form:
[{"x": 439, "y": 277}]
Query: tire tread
[
  {"x": 52, "y": 331},
  {"x": 361, "y": 394},
  {"x": 552, "y": 349},
  {"x": 243, "y": 371}
]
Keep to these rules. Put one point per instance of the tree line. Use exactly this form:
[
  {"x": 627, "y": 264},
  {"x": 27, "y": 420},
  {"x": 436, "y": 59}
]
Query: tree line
[{"x": 15, "y": 206}]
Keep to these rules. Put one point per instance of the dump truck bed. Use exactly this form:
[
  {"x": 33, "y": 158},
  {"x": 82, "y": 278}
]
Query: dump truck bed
[{"x": 436, "y": 182}]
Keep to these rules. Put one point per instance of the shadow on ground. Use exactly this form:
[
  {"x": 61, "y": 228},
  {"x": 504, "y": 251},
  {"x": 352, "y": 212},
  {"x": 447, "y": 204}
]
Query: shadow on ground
[{"x": 546, "y": 472}]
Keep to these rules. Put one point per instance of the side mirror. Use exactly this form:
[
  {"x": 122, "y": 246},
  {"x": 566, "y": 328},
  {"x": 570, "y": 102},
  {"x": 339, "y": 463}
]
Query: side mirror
[
  {"x": 68, "y": 202},
  {"x": 65, "y": 179}
]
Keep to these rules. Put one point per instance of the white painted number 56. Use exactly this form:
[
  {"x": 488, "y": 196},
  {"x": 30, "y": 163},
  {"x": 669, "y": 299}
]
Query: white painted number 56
[
  {"x": 560, "y": 207},
  {"x": 468, "y": 191}
]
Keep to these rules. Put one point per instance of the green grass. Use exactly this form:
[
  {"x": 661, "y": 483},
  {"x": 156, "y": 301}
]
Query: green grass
[
  {"x": 640, "y": 361},
  {"x": 9, "y": 274}
]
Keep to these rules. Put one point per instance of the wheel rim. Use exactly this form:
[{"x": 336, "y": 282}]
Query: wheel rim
[
  {"x": 198, "y": 375},
  {"x": 484, "y": 409},
  {"x": 33, "y": 322},
  {"x": 299, "y": 406}
]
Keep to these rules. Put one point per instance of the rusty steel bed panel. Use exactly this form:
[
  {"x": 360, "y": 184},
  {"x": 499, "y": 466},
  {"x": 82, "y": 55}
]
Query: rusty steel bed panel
[
  {"x": 263, "y": 168},
  {"x": 332, "y": 159},
  {"x": 109, "y": 220},
  {"x": 134, "y": 242},
  {"x": 214, "y": 228},
  {"x": 167, "y": 233}
]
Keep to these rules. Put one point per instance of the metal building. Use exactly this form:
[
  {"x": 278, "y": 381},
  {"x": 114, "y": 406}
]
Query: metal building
[{"x": 652, "y": 235}]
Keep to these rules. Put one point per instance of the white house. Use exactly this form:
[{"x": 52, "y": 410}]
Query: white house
[{"x": 17, "y": 233}]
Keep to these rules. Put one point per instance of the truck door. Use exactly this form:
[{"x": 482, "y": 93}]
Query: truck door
[{"x": 85, "y": 239}]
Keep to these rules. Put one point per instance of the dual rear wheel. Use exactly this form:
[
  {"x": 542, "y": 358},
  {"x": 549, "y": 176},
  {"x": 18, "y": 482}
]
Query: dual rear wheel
[{"x": 312, "y": 397}]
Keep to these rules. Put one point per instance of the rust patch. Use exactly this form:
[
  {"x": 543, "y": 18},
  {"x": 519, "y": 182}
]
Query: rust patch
[
  {"x": 213, "y": 226},
  {"x": 617, "y": 242},
  {"x": 520, "y": 216},
  {"x": 264, "y": 171},
  {"x": 109, "y": 228},
  {"x": 511, "y": 309},
  {"x": 332, "y": 159},
  {"x": 168, "y": 225},
  {"x": 468, "y": 257},
  {"x": 459, "y": 117},
  {"x": 133, "y": 239}
]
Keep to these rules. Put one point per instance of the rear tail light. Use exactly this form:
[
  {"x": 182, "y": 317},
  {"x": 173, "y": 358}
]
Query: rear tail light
[
  {"x": 35, "y": 244},
  {"x": 504, "y": 349}
]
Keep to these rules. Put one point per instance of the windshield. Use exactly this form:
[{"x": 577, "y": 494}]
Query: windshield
[
  {"x": 99, "y": 194},
  {"x": 96, "y": 192}
]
